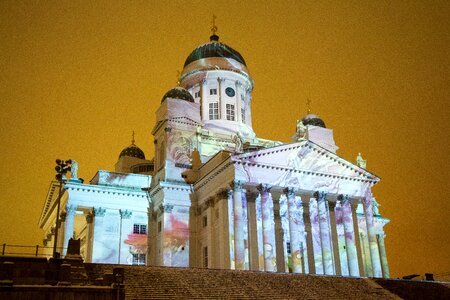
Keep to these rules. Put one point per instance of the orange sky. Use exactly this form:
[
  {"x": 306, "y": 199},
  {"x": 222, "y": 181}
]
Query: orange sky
[{"x": 78, "y": 76}]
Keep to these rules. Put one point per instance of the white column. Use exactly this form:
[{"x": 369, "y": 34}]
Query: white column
[
  {"x": 230, "y": 203},
  {"x": 125, "y": 228},
  {"x": 383, "y": 256},
  {"x": 89, "y": 236},
  {"x": 325, "y": 234},
  {"x": 341, "y": 244},
  {"x": 97, "y": 245},
  {"x": 270, "y": 255},
  {"x": 222, "y": 108},
  {"x": 373, "y": 244},
  {"x": 259, "y": 229},
  {"x": 295, "y": 219},
  {"x": 279, "y": 239},
  {"x": 308, "y": 255},
  {"x": 316, "y": 238},
  {"x": 350, "y": 236},
  {"x": 240, "y": 219},
  {"x": 354, "y": 206},
  {"x": 252, "y": 231},
  {"x": 238, "y": 102},
  {"x": 203, "y": 103},
  {"x": 334, "y": 239},
  {"x": 68, "y": 226}
]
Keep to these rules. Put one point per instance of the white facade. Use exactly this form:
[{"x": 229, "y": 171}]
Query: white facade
[{"x": 217, "y": 196}]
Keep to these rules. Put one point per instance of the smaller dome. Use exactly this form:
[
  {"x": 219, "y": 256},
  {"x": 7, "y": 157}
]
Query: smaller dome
[
  {"x": 178, "y": 93},
  {"x": 132, "y": 151},
  {"x": 312, "y": 119}
]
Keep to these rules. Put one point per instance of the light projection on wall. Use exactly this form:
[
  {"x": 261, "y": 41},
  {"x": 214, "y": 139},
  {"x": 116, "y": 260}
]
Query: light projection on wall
[{"x": 176, "y": 236}]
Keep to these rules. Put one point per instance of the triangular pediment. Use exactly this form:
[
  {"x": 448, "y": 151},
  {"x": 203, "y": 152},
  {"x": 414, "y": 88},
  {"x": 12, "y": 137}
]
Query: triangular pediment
[{"x": 304, "y": 164}]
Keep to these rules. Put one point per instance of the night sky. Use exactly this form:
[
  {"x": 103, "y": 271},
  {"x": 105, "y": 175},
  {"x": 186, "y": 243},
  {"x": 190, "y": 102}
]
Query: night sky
[{"x": 77, "y": 77}]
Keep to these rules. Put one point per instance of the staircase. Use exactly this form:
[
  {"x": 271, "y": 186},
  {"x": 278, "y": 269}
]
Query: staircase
[{"x": 195, "y": 283}]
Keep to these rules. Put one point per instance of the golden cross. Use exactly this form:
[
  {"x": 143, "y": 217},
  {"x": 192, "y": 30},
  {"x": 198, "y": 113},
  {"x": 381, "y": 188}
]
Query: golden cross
[
  {"x": 308, "y": 106},
  {"x": 178, "y": 78},
  {"x": 214, "y": 27}
]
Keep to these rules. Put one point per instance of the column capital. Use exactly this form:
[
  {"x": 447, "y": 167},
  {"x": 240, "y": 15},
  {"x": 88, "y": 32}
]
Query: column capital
[
  {"x": 251, "y": 196},
  {"x": 70, "y": 209},
  {"x": 320, "y": 196},
  {"x": 237, "y": 185},
  {"x": 125, "y": 214},
  {"x": 99, "y": 211},
  {"x": 263, "y": 188},
  {"x": 344, "y": 199},
  {"x": 289, "y": 191},
  {"x": 166, "y": 208},
  {"x": 332, "y": 205}
]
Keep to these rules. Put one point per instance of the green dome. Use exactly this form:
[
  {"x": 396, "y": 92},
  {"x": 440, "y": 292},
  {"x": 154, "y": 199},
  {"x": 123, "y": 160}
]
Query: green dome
[
  {"x": 178, "y": 93},
  {"x": 132, "y": 151},
  {"x": 214, "y": 49},
  {"x": 314, "y": 120}
]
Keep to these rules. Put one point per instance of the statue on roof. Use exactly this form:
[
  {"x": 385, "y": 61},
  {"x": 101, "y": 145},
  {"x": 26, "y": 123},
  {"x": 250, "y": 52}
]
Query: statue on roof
[
  {"x": 360, "y": 161},
  {"x": 237, "y": 140}
]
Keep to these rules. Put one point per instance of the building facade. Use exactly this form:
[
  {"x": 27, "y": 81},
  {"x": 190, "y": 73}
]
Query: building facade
[{"x": 217, "y": 196}]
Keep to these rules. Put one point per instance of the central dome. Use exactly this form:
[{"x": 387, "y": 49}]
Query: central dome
[{"x": 214, "y": 49}]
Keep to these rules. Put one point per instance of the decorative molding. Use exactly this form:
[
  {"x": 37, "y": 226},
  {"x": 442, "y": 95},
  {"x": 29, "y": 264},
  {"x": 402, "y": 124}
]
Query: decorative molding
[
  {"x": 264, "y": 188},
  {"x": 320, "y": 195},
  {"x": 71, "y": 209},
  {"x": 99, "y": 211},
  {"x": 125, "y": 214},
  {"x": 289, "y": 192},
  {"x": 251, "y": 196},
  {"x": 237, "y": 185},
  {"x": 167, "y": 208}
]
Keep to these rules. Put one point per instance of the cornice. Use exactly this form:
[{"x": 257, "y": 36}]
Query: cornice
[{"x": 105, "y": 189}]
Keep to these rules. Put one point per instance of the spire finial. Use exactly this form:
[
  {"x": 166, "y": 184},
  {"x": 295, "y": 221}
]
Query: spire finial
[
  {"x": 178, "y": 78},
  {"x": 308, "y": 106},
  {"x": 214, "y": 36},
  {"x": 214, "y": 27},
  {"x": 132, "y": 138}
]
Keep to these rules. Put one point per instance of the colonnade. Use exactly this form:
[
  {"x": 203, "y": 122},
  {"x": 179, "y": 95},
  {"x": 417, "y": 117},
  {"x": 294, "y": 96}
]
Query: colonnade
[{"x": 322, "y": 232}]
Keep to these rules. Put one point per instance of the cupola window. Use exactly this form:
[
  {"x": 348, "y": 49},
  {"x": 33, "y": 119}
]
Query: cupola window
[
  {"x": 214, "y": 111},
  {"x": 230, "y": 112},
  {"x": 197, "y": 94},
  {"x": 243, "y": 115},
  {"x": 213, "y": 91}
]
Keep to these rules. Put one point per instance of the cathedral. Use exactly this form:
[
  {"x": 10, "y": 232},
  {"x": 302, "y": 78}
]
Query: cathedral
[{"x": 214, "y": 195}]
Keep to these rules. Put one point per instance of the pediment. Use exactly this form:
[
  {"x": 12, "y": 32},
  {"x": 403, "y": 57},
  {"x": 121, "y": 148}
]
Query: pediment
[{"x": 305, "y": 165}]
